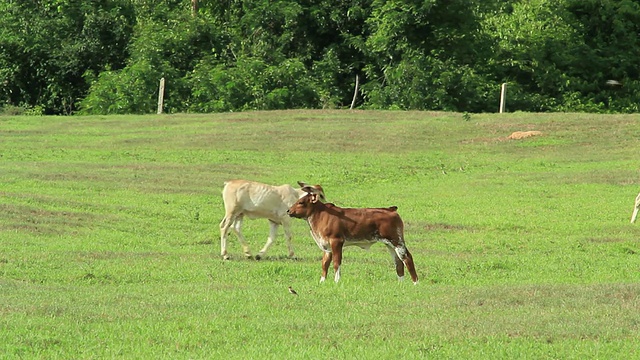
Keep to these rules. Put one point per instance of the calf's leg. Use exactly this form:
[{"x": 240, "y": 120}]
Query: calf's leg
[
  {"x": 336, "y": 250},
  {"x": 286, "y": 225},
  {"x": 225, "y": 225},
  {"x": 237, "y": 228},
  {"x": 636, "y": 207},
  {"x": 273, "y": 233},
  {"x": 326, "y": 260},
  {"x": 404, "y": 254},
  {"x": 397, "y": 261}
]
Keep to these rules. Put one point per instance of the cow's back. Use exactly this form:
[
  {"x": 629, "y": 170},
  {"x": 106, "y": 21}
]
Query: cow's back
[
  {"x": 385, "y": 221},
  {"x": 256, "y": 199},
  {"x": 361, "y": 222}
]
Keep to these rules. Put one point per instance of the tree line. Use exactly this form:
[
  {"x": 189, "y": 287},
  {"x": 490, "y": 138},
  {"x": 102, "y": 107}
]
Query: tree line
[{"x": 107, "y": 56}]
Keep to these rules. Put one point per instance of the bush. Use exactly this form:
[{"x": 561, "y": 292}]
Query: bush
[
  {"x": 251, "y": 84},
  {"x": 12, "y": 110},
  {"x": 427, "y": 83},
  {"x": 132, "y": 90}
]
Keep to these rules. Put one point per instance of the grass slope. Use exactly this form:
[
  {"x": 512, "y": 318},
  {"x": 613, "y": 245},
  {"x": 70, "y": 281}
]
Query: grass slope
[{"x": 109, "y": 241}]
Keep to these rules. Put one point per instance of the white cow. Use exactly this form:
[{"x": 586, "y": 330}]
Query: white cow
[
  {"x": 636, "y": 207},
  {"x": 257, "y": 200}
]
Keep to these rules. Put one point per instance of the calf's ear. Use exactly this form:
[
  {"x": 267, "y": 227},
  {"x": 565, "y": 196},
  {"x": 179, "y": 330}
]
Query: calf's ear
[
  {"x": 309, "y": 189},
  {"x": 314, "y": 198}
]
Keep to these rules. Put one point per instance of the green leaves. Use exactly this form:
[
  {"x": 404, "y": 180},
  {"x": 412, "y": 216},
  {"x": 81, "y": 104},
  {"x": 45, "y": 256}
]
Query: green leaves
[
  {"x": 263, "y": 54},
  {"x": 251, "y": 85},
  {"x": 46, "y": 49}
]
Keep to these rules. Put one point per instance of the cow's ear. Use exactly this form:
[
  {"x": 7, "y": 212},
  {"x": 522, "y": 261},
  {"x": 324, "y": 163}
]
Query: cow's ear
[
  {"x": 302, "y": 184},
  {"x": 308, "y": 189},
  {"x": 314, "y": 198}
]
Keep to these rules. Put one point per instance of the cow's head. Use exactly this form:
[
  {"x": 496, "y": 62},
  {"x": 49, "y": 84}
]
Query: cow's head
[
  {"x": 303, "y": 208},
  {"x": 312, "y": 189}
]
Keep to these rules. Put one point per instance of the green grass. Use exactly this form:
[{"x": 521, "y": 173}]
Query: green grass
[{"x": 109, "y": 240}]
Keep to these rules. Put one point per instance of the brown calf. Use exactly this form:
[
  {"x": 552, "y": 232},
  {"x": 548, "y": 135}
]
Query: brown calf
[{"x": 333, "y": 227}]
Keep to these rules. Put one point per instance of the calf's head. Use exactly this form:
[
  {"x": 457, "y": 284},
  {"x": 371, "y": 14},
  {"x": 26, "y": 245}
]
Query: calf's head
[
  {"x": 303, "y": 208},
  {"x": 312, "y": 189}
]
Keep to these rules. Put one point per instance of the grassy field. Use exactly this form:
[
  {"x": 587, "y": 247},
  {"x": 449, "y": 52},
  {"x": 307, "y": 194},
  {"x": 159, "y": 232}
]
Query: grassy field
[{"x": 109, "y": 239}]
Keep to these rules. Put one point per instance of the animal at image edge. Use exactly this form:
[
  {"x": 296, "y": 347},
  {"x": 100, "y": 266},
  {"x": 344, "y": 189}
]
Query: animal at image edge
[
  {"x": 636, "y": 207},
  {"x": 333, "y": 227},
  {"x": 257, "y": 200}
]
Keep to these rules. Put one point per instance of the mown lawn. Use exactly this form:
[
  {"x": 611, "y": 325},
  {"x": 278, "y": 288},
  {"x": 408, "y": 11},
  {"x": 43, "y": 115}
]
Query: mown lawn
[{"x": 109, "y": 239}]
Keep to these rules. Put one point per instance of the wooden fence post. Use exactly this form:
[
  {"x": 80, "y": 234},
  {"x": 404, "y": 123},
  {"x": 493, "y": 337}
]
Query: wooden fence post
[
  {"x": 161, "y": 96},
  {"x": 503, "y": 97},
  {"x": 355, "y": 92},
  {"x": 194, "y": 8}
]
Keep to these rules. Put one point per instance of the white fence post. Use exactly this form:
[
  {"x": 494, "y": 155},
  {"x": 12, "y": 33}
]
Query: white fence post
[
  {"x": 161, "y": 96},
  {"x": 503, "y": 97},
  {"x": 355, "y": 92},
  {"x": 194, "y": 8}
]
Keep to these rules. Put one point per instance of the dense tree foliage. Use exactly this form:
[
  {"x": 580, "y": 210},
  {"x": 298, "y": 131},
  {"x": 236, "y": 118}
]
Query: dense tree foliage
[
  {"x": 46, "y": 47},
  {"x": 107, "y": 56}
]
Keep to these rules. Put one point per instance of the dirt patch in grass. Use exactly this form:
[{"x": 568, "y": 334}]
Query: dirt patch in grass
[
  {"x": 519, "y": 135},
  {"x": 110, "y": 255},
  {"x": 449, "y": 227},
  {"x": 606, "y": 240},
  {"x": 43, "y": 222},
  {"x": 482, "y": 140}
]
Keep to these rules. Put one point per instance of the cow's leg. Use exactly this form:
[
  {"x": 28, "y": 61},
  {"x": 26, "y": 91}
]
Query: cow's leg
[
  {"x": 404, "y": 254},
  {"x": 225, "y": 225},
  {"x": 237, "y": 228},
  {"x": 326, "y": 260},
  {"x": 635, "y": 209},
  {"x": 273, "y": 232},
  {"x": 286, "y": 225},
  {"x": 397, "y": 261},
  {"x": 336, "y": 249}
]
